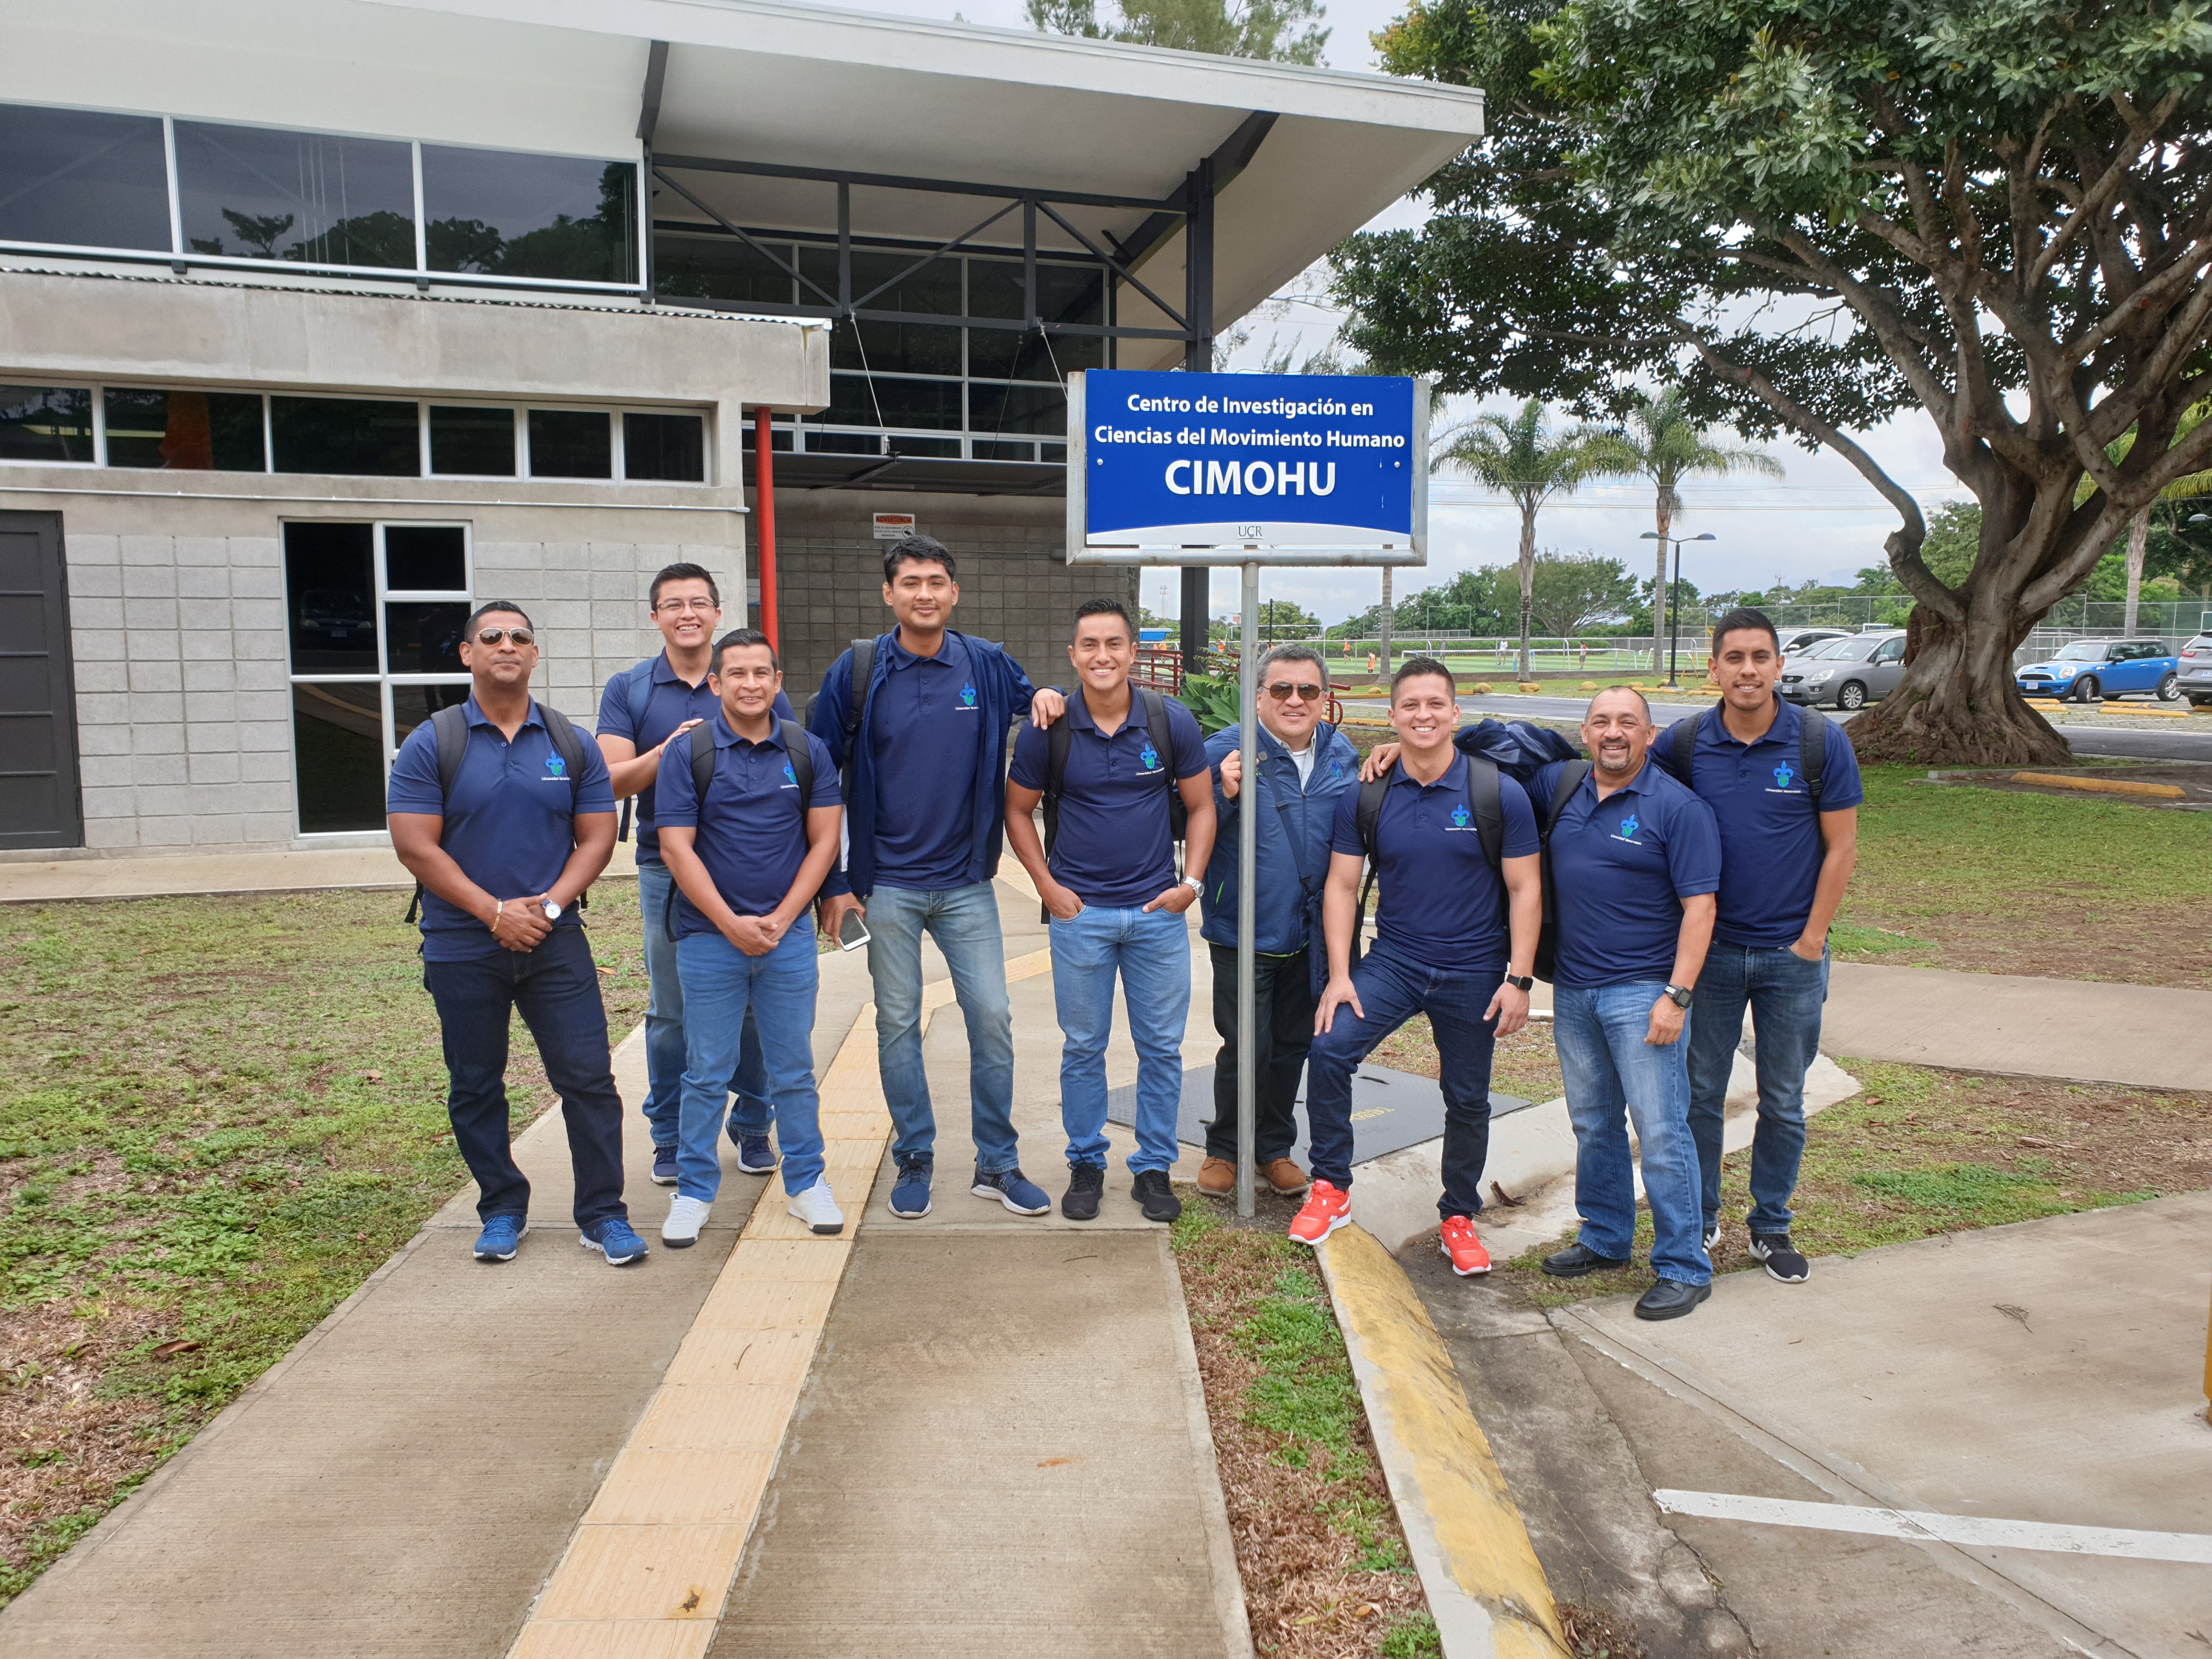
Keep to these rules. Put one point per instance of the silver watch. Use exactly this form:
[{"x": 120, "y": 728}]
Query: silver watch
[
  {"x": 1196, "y": 884},
  {"x": 552, "y": 911}
]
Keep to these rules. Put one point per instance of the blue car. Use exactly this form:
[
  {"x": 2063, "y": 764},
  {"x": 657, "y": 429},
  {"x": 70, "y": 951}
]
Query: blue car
[{"x": 2089, "y": 669}]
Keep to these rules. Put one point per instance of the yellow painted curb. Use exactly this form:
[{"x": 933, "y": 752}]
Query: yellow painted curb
[
  {"x": 2102, "y": 785},
  {"x": 1486, "y": 1588},
  {"x": 2145, "y": 709}
]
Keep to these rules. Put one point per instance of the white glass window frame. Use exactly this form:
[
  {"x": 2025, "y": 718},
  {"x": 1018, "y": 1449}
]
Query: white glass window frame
[
  {"x": 521, "y": 426},
  {"x": 65, "y": 383},
  {"x": 705, "y": 419},
  {"x": 615, "y": 457}
]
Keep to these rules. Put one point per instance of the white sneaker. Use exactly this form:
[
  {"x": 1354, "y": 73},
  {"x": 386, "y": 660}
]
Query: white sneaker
[
  {"x": 817, "y": 1207},
  {"x": 686, "y": 1217}
]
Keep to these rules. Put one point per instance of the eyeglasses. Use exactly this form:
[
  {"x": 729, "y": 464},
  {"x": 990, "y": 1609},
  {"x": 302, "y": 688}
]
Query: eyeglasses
[
  {"x": 678, "y": 607},
  {"x": 493, "y": 635},
  {"x": 1282, "y": 691}
]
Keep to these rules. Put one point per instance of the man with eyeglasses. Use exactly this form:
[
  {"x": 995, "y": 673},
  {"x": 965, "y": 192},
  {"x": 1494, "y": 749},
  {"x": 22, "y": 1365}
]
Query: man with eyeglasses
[
  {"x": 505, "y": 833},
  {"x": 642, "y": 709},
  {"x": 1305, "y": 764}
]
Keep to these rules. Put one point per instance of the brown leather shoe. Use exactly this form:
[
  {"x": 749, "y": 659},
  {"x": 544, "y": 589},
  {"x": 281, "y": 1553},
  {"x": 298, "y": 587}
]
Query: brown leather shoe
[
  {"x": 1285, "y": 1176},
  {"x": 1216, "y": 1177}
]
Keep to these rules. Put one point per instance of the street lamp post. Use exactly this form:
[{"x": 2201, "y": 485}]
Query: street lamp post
[{"x": 1675, "y": 592}]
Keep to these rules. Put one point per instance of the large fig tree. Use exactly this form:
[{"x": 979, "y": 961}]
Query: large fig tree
[{"x": 1811, "y": 215}]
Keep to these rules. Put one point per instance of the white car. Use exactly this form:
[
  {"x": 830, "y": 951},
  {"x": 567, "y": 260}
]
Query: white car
[{"x": 1799, "y": 640}]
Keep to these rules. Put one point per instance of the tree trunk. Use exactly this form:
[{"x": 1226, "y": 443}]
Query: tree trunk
[
  {"x": 1528, "y": 583},
  {"x": 1384, "y": 615},
  {"x": 1958, "y": 704},
  {"x": 1668, "y": 501},
  {"x": 2138, "y": 539}
]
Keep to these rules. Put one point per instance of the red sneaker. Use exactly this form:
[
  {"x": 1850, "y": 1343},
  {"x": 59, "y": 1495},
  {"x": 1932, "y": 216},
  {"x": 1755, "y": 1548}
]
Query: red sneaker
[
  {"x": 1459, "y": 1243},
  {"x": 1325, "y": 1209}
]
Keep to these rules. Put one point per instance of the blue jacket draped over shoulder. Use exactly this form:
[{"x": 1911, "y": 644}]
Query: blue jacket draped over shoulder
[{"x": 1293, "y": 838}]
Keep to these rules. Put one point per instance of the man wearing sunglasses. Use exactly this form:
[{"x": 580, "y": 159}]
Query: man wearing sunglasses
[
  {"x": 504, "y": 848},
  {"x": 1305, "y": 764},
  {"x": 642, "y": 710}
]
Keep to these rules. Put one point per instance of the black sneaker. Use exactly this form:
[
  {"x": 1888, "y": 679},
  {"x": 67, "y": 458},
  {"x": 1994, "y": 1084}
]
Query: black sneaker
[
  {"x": 1781, "y": 1256},
  {"x": 1670, "y": 1298},
  {"x": 1086, "y": 1182},
  {"x": 1712, "y": 1236},
  {"x": 1152, "y": 1190},
  {"x": 1579, "y": 1259}
]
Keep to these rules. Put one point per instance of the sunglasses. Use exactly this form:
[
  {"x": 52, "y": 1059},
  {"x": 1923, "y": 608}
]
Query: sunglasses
[
  {"x": 1282, "y": 691},
  {"x": 493, "y": 635}
]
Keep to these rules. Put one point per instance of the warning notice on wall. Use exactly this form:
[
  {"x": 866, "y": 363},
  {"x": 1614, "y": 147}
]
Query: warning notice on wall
[{"x": 892, "y": 526}]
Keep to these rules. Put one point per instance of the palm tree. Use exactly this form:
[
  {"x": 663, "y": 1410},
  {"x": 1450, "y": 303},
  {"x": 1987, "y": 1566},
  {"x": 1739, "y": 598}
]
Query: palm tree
[
  {"x": 1665, "y": 445},
  {"x": 1520, "y": 456},
  {"x": 2187, "y": 487}
]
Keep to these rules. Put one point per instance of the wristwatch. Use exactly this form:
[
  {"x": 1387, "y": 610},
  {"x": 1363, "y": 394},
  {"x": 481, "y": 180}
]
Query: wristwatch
[
  {"x": 1196, "y": 884},
  {"x": 1521, "y": 982},
  {"x": 552, "y": 911},
  {"x": 1678, "y": 995}
]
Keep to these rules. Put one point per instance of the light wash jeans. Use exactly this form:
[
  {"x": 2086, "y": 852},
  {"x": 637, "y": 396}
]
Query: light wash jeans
[
  {"x": 721, "y": 985},
  {"x": 964, "y": 922},
  {"x": 1607, "y": 1065},
  {"x": 1152, "y": 951},
  {"x": 1785, "y": 993},
  {"x": 664, "y": 1028}
]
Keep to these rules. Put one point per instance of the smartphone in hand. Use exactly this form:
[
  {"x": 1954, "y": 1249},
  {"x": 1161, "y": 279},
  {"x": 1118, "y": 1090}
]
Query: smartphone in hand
[{"x": 853, "y": 933}]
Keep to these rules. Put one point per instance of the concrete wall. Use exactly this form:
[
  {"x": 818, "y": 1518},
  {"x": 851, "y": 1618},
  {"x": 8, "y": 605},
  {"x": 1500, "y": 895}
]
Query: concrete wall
[{"x": 1015, "y": 588}]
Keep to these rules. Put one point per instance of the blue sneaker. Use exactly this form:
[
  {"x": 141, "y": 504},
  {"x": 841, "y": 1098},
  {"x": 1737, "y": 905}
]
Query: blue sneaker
[
  {"x": 910, "y": 1197},
  {"x": 1014, "y": 1189},
  {"x": 663, "y": 1166},
  {"x": 615, "y": 1239},
  {"x": 755, "y": 1154},
  {"x": 501, "y": 1238}
]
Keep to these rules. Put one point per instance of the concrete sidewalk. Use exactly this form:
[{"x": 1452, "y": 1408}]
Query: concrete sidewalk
[{"x": 41, "y": 878}]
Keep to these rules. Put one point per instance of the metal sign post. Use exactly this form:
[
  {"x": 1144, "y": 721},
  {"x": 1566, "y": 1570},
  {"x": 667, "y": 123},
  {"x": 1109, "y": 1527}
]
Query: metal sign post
[{"x": 1250, "y": 469}]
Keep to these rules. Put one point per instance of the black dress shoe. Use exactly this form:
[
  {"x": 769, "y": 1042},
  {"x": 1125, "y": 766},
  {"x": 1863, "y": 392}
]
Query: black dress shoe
[
  {"x": 1579, "y": 1259},
  {"x": 1670, "y": 1298}
]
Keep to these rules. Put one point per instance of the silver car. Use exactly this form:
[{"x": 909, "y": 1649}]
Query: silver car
[
  {"x": 2195, "y": 681},
  {"x": 1847, "y": 673}
]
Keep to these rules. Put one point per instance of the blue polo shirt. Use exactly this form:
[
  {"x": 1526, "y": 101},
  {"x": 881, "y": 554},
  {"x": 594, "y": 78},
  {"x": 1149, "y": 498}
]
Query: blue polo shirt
[
  {"x": 1114, "y": 850},
  {"x": 668, "y": 705},
  {"x": 1440, "y": 903},
  {"x": 752, "y": 836},
  {"x": 923, "y": 725},
  {"x": 1620, "y": 868},
  {"x": 1771, "y": 849},
  {"x": 510, "y": 823}
]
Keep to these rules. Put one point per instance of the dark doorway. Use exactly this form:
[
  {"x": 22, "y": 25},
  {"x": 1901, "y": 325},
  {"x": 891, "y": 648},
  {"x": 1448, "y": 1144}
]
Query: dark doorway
[{"x": 38, "y": 802}]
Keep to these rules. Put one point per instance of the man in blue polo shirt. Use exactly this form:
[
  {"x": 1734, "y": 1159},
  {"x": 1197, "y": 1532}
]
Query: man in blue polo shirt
[
  {"x": 504, "y": 856},
  {"x": 924, "y": 738},
  {"x": 1456, "y": 938},
  {"x": 1116, "y": 904},
  {"x": 644, "y": 708},
  {"x": 749, "y": 852},
  {"x": 1789, "y": 837},
  {"x": 1634, "y": 861}
]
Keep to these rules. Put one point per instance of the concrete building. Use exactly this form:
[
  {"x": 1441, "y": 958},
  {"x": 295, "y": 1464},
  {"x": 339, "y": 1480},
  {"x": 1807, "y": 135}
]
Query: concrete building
[{"x": 321, "y": 320}]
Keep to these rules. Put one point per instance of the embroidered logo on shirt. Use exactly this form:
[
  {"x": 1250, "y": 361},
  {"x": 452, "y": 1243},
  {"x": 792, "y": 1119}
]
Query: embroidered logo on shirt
[
  {"x": 1785, "y": 775},
  {"x": 1627, "y": 830},
  {"x": 1460, "y": 816},
  {"x": 966, "y": 697},
  {"x": 556, "y": 766},
  {"x": 1150, "y": 756},
  {"x": 790, "y": 777}
]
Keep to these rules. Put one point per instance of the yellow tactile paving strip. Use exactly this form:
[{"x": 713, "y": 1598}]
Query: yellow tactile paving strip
[{"x": 651, "y": 1561}]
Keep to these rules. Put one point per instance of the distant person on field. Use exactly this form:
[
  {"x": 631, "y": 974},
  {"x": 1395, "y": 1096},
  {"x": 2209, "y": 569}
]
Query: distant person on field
[
  {"x": 750, "y": 850},
  {"x": 1634, "y": 860},
  {"x": 1460, "y": 907},
  {"x": 643, "y": 709},
  {"x": 1788, "y": 842},
  {"x": 1115, "y": 903},
  {"x": 504, "y": 857},
  {"x": 1304, "y": 765}
]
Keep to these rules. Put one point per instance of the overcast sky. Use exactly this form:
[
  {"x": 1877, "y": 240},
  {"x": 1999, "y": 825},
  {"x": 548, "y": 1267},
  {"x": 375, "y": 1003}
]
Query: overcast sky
[{"x": 1822, "y": 522}]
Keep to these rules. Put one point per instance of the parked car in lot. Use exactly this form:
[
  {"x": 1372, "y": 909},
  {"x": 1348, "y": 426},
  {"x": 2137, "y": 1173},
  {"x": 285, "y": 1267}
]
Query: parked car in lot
[
  {"x": 1848, "y": 672},
  {"x": 2089, "y": 669},
  {"x": 2195, "y": 679},
  {"x": 1796, "y": 641}
]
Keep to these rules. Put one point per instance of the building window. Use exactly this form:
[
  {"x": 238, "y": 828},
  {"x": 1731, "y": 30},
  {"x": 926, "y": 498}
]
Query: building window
[
  {"x": 570, "y": 443},
  {"x": 478, "y": 442},
  {"x": 45, "y": 423},
  {"x": 262, "y": 193},
  {"x": 376, "y": 613},
  {"x": 673, "y": 447},
  {"x": 185, "y": 431},
  {"x": 81, "y": 178},
  {"x": 374, "y": 437},
  {"x": 499, "y": 213}
]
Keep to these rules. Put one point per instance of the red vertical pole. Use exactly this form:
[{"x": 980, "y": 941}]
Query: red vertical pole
[{"x": 764, "y": 523}]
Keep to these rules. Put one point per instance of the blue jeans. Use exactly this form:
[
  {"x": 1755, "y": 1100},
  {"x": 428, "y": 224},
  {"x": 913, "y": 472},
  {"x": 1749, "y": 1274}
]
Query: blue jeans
[
  {"x": 1392, "y": 989},
  {"x": 1784, "y": 993},
  {"x": 1607, "y": 1064},
  {"x": 964, "y": 922},
  {"x": 721, "y": 985},
  {"x": 664, "y": 1027},
  {"x": 556, "y": 989},
  {"x": 1151, "y": 950}
]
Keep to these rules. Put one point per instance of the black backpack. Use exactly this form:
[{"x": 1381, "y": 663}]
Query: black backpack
[
  {"x": 856, "y": 701},
  {"x": 450, "y": 727},
  {"x": 1060, "y": 736},
  {"x": 1680, "y": 748},
  {"x": 1482, "y": 800},
  {"x": 1547, "y": 937},
  {"x": 702, "y": 773}
]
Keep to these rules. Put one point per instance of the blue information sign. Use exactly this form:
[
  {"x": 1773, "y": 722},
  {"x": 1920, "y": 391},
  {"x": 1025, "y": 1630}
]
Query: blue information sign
[{"x": 1289, "y": 468}]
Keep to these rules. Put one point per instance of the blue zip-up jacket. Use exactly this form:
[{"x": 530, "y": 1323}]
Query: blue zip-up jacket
[
  {"x": 1003, "y": 693},
  {"x": 1293, "y": 829}
]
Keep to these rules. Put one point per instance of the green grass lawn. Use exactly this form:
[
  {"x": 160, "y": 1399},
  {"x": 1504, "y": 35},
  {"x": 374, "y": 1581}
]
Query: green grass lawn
[{"x": 217, "y": 1117}]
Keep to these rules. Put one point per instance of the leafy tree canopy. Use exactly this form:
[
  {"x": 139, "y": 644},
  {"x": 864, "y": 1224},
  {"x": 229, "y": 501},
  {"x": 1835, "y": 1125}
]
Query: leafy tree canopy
[{"x": 1277, "y": 31}]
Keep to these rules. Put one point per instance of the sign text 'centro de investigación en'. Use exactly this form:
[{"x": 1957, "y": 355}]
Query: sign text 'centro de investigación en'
[{"x": 1232, "y": 469}]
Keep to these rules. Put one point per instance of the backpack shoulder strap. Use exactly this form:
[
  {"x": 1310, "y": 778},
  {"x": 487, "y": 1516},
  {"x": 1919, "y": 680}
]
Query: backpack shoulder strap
[
  {"x": 451, "y": 727},
  {"x": 1681, "y": 749},
  {"x": 802, "y": 764},
  {"x": 703, "y": 759},
  {"x": 1368, "y": 814},
  {"x": 1570, "y": 778},
  {"x": 567, "y": 743},
  {"x": 637, "y": 694},
  {"x": 1485, "y": 800},
  {"x": 1812, "y": 753},
  {"x": 863, "y": 686},
  {"x": 1057, "y": 738}
]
